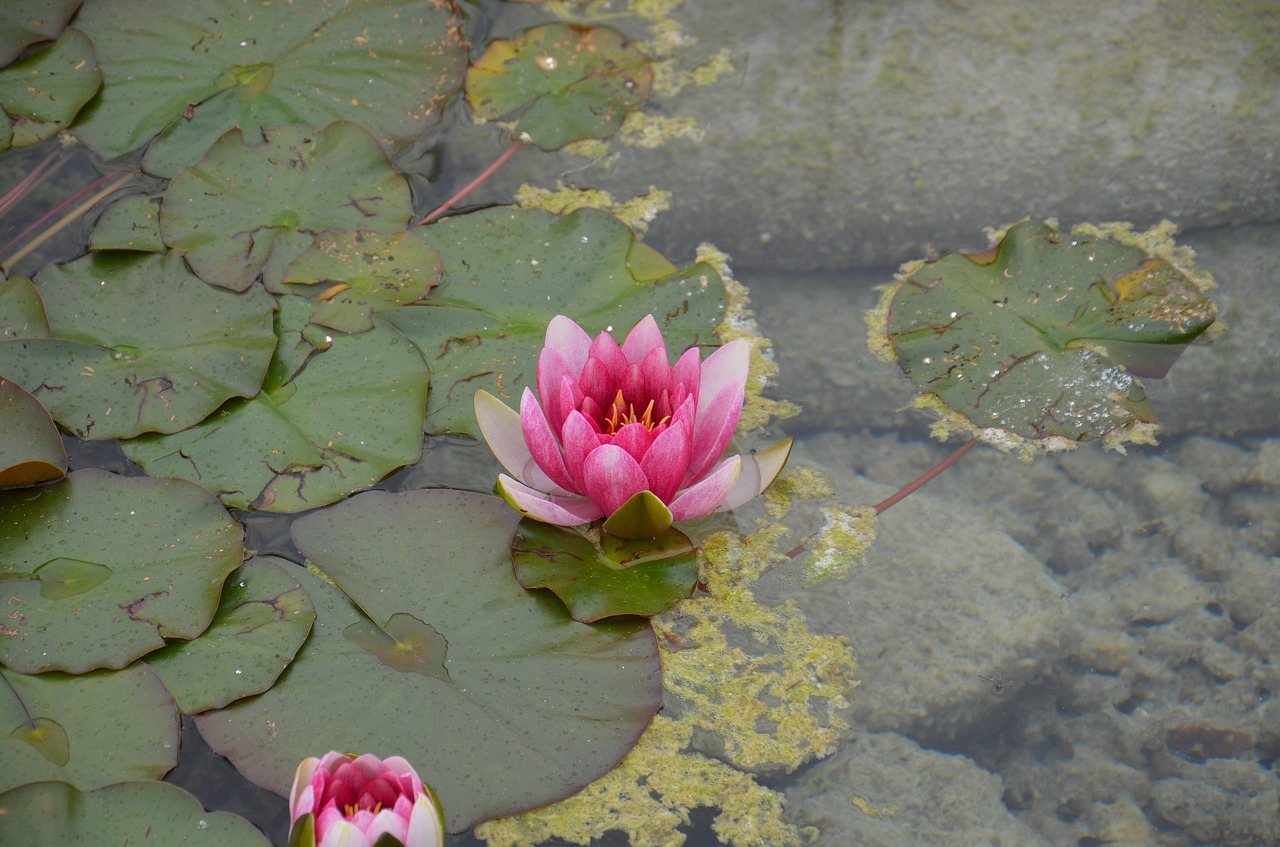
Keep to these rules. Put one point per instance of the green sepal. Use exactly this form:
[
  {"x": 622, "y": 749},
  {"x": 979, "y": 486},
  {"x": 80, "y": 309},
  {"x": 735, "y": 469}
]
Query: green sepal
[
  {"x": 642, "y": 516},
  {"x": 303, "y": 832}
]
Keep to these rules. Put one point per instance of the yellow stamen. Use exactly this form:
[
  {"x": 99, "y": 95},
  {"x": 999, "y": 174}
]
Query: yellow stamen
[{"x": 622, "y": 413}]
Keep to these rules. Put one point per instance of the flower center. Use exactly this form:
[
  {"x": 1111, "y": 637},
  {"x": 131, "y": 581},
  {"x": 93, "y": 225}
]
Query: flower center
[
  {"x": 622, "y": 413},
  {"x": 349, "y": 810}
]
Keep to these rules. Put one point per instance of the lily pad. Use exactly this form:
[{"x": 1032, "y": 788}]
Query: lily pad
[
  {"x": 226, "y": 214},
  {"x": 100, "y": 569},
  {"x": 41, "y": 93},
  {"x": 644, "y": 577},
  {"x": 21, "y": 310},
  {"x": 562, "y": 82},
  {"x": 508, "y": 272},
  {"x": 511, "y": 678},
  {"x": 131, "y": 223},
  {"x": 388, "y": 65},
  {"x": 23, "y": 24},
  {"x": 261, "y": 622},
  {"x": 31, "y": 450},
  {"x": 139, "y": 345},
  {"x": 56, "y": 814},
  {"x": 1041, "y": 337},
  {"x": 354, "y": 274},
  {"x": 89, "y": 730},
  {"x": 335, "y": 415}
]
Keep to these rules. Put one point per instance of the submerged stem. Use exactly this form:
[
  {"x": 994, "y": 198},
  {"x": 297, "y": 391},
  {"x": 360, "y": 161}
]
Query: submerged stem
[
  {"x": 19, "y": 255},
  {"x": 911, "y": 487},
  {"x": 473, "y": 185}
]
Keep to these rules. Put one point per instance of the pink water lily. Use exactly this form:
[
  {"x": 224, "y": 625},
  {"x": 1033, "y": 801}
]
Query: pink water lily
[
  {"x": 621, "y": 433},
  {"x": 353, "y": 800}
]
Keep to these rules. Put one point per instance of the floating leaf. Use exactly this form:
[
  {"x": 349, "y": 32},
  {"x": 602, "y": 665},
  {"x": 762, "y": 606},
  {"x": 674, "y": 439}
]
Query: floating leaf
[
  {"x": 567, "y": 82},
  {"x": 525, "y": 683},
  {"x": 41, "y": 93},
  {"x": 90, "y": 730},
  {"x": 261, "y": 622},
  {"x": 405, "y": 644},
  {"x": 354, "y": 274},
  {"x": 131, "y": 223},
  {"x": 21, "y": 310},
  {"x": 164, "y": 545},
  {"x": 228, "y": 213},
  {"x": 31, "y": 450},
  {"x": 62, "y": 578},
  {"x": 1040, "y": 337},
  {"x": 508, "y": 272},
  {"x": 644, "y": 576},
  {"x": 388, "y": 65},
  {"x": 23, "y": 24},
  {"x": 55, "y": 814},
  {"x": 139, "y": 345},
  {"x": 47, "y": 738},
  {"x": 336, "y": 414}
]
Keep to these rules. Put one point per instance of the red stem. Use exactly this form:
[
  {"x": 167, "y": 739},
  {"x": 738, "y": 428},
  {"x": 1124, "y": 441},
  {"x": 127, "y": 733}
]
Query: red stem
[
  {"x": 13, "y": 195},
  {"x": 61, "y": 206},
  {"x": 920, "y": 482},
  {"x": 473, "y": 185}
]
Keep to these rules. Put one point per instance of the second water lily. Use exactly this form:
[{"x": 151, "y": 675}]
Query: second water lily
[{"x": 618, "y": 432}]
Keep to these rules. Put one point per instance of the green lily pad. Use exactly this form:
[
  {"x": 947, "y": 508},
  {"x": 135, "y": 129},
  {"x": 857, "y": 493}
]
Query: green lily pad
[
  {"x": 31, "y": 450},
  {"x": 139, "y": 345},
  {"x": 21, "y": 310},
  {"x": 1041, "y": 337},
  {"x": 56, "y": 814},
  {"x": 41, "y": 93},
  {"x": 23, "y": 24},
  {"x": 261, "y": 622},
  {"x": 388, "y": 65},
  {"x": 508, "y": 272},
  {"x": 227, "y": 213},
  {"x": 354, "y": 274},
  {"x": 643, "y": 576},
  {"x": 131, "y": 223},
  {"x": 100, "y": 569},
  {"x": 488, "y": 674},
  {"x": 566, "y": 82},
  {"x": 335, "y": 415},
  {"x": 90, "y": 730}
]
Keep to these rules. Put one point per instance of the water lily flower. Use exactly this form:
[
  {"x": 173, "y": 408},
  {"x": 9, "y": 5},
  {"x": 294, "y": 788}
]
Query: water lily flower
[
  {"x": 618, "y": 432},
  {"x": 351, "y": 801}
]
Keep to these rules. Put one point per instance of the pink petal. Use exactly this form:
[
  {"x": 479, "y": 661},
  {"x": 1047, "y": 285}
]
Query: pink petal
[
  {"x": 642, "y": 340},
  {"x": 605, "y": 350},
  {"x": 542, "y": 442},
  {"x": 548, "y": 508},
  {"x": 713, "y": 429},
  {"x": 726, "y": 366},
  {"x": 632, "y": 387},
  {"x": 635, "y": 438},
  {"x": 552, "y": 376},
  {"x": 612, "y": 477},
  {"x": 501, "y": 427},
  {"x": 570, "y": 341},
  {"x": 387, "y": 821},
  {"x": 707, "y": 496},
  {"x": 759, "y": 470},
  {"x": 302, "y": 798},
  {"x": 571, "y": 398},
  {"x": 656, "y": 371},
  {"x": 580, "y": 438},
  {"x": 425, "y": 827},
  {"x": 688, "y": 371},
  {"x": 666, "y": 461},
  {"x": 598, "y": 383}
]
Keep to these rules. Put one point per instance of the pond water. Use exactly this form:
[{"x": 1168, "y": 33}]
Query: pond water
[{"x": 1076, "y": 650}]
